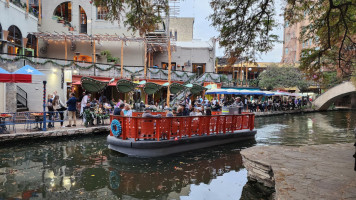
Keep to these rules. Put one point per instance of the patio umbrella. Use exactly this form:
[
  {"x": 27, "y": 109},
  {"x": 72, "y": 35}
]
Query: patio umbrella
[
  {"x": 25, "y": 74},
  {"x": 5, "y": 76},
  {"x": 151, "y": 88},
  {"x": 125, "y": 86},
  {"x": 92, "y": 85}
]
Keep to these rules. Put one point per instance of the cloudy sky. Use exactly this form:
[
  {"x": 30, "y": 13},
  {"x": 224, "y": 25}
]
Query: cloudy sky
[{"x": 200, "y": 10}]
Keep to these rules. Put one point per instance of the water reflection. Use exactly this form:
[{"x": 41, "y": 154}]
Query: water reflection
[
  {"x": 306, "y": 129},
  {"x": 84, "y": 168}
]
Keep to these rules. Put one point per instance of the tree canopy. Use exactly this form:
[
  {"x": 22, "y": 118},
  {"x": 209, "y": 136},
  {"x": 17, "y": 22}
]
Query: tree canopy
[
  {"x": 137, "y": 15},
  {"x": 332, "y": 28},
  {"x": 275, "y": 77},
  {"x": 245, "y": 27}
]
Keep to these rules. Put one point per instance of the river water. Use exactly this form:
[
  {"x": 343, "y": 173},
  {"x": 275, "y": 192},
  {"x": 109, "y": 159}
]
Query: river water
[{"x": 84, "y": 168}]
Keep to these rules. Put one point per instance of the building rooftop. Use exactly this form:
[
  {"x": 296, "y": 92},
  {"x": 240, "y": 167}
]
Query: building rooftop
[{"x": 195, "y": 44}]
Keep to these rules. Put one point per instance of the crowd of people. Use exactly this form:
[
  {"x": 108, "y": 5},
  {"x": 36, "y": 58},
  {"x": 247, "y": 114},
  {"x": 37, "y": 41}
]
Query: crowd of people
[{"x": 92, "y": 110}]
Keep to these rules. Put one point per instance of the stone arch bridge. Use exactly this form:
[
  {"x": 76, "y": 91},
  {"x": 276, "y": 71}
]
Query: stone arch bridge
[{"x": 324, "y": 101}]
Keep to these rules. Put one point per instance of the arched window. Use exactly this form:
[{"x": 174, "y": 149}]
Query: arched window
[
  {"x": 63, "y": 12},
  {"x": 31, "y": 46},
  {"x": 83, "y": 20},
  {"x": 14, "y": 40}
]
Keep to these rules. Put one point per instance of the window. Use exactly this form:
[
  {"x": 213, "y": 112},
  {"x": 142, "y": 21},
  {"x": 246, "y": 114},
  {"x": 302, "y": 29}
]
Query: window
[
  {"x": 286, "y": 51},
  {"x": 101, "y": 12},
  {"x": 63, "y": 12},
  {"x": 175, "y": 35}
]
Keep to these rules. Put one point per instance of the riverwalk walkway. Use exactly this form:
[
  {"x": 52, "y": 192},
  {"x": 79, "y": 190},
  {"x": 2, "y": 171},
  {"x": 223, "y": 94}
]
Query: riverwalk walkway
[
  {"x": 54, "y": 132},
  {"x": 306, "y": 172}
]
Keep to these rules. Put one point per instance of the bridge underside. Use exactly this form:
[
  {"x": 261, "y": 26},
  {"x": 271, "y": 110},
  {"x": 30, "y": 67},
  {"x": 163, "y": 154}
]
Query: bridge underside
[
  {"x": 347, "y": 100},
  {"x": 337, "y": 93}
]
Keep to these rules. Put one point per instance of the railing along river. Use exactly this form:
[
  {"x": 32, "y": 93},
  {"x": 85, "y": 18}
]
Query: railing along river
[{"x": 177, "y": 127}]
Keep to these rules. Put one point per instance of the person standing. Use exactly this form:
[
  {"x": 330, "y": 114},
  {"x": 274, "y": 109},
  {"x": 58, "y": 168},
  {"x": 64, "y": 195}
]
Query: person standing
[
  {"x": 238, "y": 103},
  {"x": 84, "y": 102},
  {"x": 50, "y": 110},
  {"x": 71, "y": 103},
  {"x": 59, "y": 107}
]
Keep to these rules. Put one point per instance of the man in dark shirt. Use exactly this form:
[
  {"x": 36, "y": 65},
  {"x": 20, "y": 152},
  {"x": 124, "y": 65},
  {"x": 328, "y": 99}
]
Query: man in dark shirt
[
  {"x": 71, "y": 103},
  {"x": 119, "y": 110}
]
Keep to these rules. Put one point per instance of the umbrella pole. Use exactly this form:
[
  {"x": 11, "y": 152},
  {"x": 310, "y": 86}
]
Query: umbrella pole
[
  {"x": 39, "y": 12},
  {"x": 122, "y": 59},
  {"x": 65, "y": 49},
  {"x": 169, "y": 72},
  {"x": 145, "y": 65}
]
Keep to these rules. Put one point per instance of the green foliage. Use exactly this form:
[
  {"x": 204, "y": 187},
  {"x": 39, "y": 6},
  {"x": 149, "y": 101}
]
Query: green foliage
[
  {"x": 224, "y": 78},
  {"x": 109, "y": 57},
  {"x": 329, "y": 79},
  {"x": 282, "y": 77},
  {"x": 140, "y": 15},
  {"x": 245, "y": 27},
  {"x": 332, "y": 29}
]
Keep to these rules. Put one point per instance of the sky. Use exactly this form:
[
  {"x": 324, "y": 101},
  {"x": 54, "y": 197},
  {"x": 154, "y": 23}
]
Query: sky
[{"x": 200, "y": 10}]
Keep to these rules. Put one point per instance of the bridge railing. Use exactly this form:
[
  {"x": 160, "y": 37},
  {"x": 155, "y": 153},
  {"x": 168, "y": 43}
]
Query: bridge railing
[{"x": 139, "y": 128}]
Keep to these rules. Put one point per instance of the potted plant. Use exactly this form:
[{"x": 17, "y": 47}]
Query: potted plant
[{"x": 109, "y": 57}]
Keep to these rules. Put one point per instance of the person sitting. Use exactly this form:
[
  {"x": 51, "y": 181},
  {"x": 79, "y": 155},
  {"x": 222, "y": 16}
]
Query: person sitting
[
  {"x": 128, "y": 111},
  {"x": 94, "y": 102},
  {"x": 169, "y": 112},
  {"x": 195, "y": 112},
  {"x": 142, "y": 105},
  {"x": 112, "y": 102},
  {"x": 88, "y": 115},
  {"x": 148, "y": 113},
  {"x": 100, "y": 114},
  {"x": 119, "y": 110},
  {"x": 107, "y": 107},
  {"x": 200, "y": 111},
  {"x": 180, "y": 111}
]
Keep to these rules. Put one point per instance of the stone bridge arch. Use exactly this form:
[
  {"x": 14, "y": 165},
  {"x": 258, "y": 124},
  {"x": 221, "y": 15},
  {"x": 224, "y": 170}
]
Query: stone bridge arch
[{"x": 324, "y": 101}]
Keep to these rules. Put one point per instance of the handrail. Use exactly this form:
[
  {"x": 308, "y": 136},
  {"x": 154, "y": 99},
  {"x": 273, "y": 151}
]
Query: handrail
[
  {"x": 177, "y": 127},
  {"x": 22, "y": 98}
]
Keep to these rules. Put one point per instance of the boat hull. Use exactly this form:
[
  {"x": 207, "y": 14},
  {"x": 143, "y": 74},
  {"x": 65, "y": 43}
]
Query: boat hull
[{"x": 150, "y": 148}]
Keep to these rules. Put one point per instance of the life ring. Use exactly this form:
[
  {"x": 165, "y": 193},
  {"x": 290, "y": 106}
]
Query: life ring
[
  {"x": 116, "y": 128},
  {"x": 114, "y": 180}
]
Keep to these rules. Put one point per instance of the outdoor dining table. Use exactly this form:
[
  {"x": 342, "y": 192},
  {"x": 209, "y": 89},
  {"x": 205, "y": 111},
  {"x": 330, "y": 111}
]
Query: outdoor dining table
[
  {"x": 38, "y": 119},
  {"x": 3, "y": 118}
]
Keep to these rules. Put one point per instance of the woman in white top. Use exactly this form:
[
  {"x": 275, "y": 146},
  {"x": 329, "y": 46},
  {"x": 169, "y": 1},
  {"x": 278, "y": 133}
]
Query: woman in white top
[{"x": 59, "y": 107}]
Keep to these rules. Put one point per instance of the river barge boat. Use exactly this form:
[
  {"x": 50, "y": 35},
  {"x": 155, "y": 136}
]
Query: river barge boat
[{"x": 154, "y": 137}]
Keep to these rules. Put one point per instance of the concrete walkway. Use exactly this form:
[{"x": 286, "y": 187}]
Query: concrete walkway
[
  {"x": 307, "y": 172},
  {"x": 58, "y": 131}
]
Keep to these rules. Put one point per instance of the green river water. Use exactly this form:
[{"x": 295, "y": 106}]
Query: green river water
[{"x": 84, "y": 168}]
